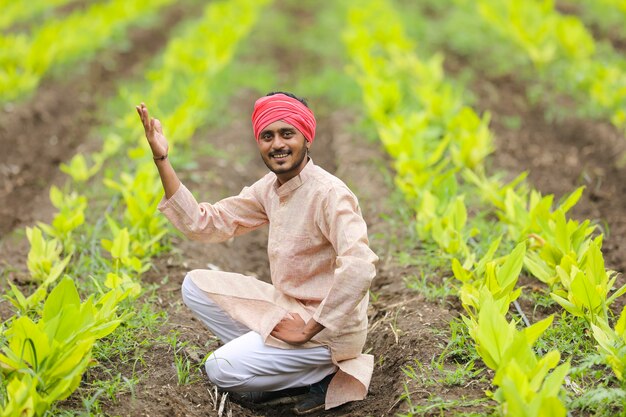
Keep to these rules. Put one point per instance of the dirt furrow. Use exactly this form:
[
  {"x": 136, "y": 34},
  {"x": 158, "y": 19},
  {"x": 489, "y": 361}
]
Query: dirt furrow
[
  {"x": 561, "y": 155},
  {"x": 57, "y": 121}
]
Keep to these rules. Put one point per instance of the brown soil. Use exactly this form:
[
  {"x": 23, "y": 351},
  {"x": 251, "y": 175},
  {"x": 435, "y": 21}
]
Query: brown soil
[
  {"x": 561, "y": 155},
  {"x": 405, "y": 328},
  {"x": 56, "y": 122}
]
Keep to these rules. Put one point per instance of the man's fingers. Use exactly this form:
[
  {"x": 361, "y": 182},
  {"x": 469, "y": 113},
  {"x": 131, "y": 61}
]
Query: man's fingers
[
  {"x": 143, "y": 112},
  {"x": 143, "y": 116},
  {"x": 149, "y": 125}
]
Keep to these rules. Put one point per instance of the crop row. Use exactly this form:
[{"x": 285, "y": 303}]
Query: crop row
[
  {"x": 14, "y": 13},
  {"x": 135, "y": 237},
  {"x": 608, "y": 15},
  {"x": 532, "y": 39},
  {"x": 561, "y": 47},
  {"x": 26, "y": 58},
  {"x": 439, "y": 146}
]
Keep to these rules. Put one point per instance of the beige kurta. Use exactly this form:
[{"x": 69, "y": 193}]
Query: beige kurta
[{"x": 320, "y": 263}]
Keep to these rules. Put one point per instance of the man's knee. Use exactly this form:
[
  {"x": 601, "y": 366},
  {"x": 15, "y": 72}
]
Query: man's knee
[
  {"x": 187, "y": 288},
  {"x": 222, "y": 372}
]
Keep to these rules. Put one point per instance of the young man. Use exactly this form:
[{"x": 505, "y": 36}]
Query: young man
[{"x": 304, "y": 333}]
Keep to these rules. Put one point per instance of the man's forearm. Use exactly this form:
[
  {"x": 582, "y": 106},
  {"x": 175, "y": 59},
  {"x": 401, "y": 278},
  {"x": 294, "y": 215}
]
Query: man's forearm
[{"x": 169, "y": 179}]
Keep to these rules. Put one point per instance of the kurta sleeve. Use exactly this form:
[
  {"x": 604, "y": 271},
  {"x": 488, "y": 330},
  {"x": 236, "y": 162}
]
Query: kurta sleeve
[
  {"x": 217, "y": 222},
  {"x": 343, "y": 225}
]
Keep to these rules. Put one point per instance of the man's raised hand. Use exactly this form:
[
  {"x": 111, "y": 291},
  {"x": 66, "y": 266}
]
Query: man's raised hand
[
  {"x": 158, "y": 144},
  {"x": 154, "y": 132}
]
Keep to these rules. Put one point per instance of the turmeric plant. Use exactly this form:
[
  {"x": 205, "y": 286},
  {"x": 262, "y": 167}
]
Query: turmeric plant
[
  {"x": 43, "y": 361},
  {"x": 528, "y": 385},
  {"x": 71, "y": 215}
]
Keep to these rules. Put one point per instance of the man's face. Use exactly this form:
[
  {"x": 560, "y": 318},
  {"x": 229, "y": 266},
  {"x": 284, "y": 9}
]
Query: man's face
[{"x": 283, "y": 149}]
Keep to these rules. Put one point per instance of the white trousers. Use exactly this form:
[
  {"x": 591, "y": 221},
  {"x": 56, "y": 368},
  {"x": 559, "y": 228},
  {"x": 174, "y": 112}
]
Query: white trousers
[{"x": 244, "y": 362}]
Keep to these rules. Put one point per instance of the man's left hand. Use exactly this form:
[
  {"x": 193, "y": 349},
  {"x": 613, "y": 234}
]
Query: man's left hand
[{"x": 293, "y": 330}]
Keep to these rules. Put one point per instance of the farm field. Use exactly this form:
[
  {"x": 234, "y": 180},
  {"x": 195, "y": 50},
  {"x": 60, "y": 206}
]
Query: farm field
[{"x": 428, "y": 110}]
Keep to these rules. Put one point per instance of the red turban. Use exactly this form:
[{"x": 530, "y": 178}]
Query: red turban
[{"x": 269, "y": 109}]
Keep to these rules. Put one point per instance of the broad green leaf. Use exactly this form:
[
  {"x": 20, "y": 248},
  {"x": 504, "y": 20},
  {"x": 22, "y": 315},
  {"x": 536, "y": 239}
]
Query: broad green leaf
[
  {"x": 534, "y": 331},
  {"x": 480, "y": 267},
  {"x": 620, "y": 326},
  {"x": 539, "y": 269},
  {"x": 18, "y": 299},
  {"x": 26, "y": 341},
  {"x": 594, "y": 267},
  {"x": 24, "y": 398},
  {"x": 544, "y": 365},
  {"x": 62, "y": 296},
  {"x": 514, "y": 386},
  {"x": 585, "y": 292},
  {"x": 470, "y": 298},
  {"x": 493, "y": 335},
  {"x": 618, "y": 293},
  {"x": 56, "y": 270},
  {"x": 551, "y": 406},
  {"x": 121, "y": 241},
  {"x": 519, "y": 352},
  {"x": 571, "y": 200},
  {"x": 554, "y": 382},
  {"x": 604, "y": 338},
  {"x": 567, "y": 305},
  {"x": 56, "y": 197},
  {"x": 562, "y": 240},
  {"x": 509, "y": 272}
]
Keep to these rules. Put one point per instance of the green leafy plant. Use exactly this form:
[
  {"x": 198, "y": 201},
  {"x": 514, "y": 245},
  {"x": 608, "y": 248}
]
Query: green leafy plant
[
  {"x": 612, "y": 343},
  {"x": 43, "y": 361},
  {"x": 78, "y": 170},
  {"x": 44, "y": 258},
  {"x": 525, "y": 385},
  {"x": 586, "y": 287},
  {"x": 71, "y": 215}
]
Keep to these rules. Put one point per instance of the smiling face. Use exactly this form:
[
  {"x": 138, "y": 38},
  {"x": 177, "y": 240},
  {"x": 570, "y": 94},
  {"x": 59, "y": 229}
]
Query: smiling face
[{"x": 283, "y": 149}]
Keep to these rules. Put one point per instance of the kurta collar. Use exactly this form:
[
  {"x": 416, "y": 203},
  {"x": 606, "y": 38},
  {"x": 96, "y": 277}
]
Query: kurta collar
[{"x": 296, "y": 181}]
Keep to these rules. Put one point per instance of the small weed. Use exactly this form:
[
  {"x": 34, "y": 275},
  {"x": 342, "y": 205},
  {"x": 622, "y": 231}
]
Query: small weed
[
  {"x": 435, "y": 405},
  {"x": 512, "y": 122},
  {"x": 183, "y": 369},
  {"x": 540, "y": 300},
  {"x": 92, "y": 404},
  {"x": 591, "y": 371},
  {"x": 430, "y": 290},
  {"x": 460, "y": 347},
  {"x": 459, "y": 376},
  {"x": 114, "y": 386},
  {"x": 397, "y": 332},
  {"x": 374, "y": 296},
  {"x": 601, "y": 402},
  {"x": 182, "y": 364},
  {"x": 570, "y": 334},
  {"x": 129, "y": 340},
  {"x": 414, "y": 374},
  {"x": 381, "y": 360},
  {"x": 437, "y": 374}
]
